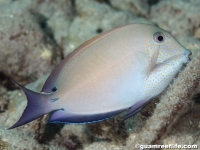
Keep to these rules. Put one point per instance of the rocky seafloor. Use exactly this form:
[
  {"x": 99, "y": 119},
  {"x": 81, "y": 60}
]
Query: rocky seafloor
[{"x": 35, "y": 35}]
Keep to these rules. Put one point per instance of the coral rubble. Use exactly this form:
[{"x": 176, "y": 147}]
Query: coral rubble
[{"x": 24, "y": 53}]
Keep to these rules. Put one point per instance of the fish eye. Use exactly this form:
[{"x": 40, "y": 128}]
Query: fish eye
[
  {"x": 54, "y": 89},
  {"x": 158, "y": 37}
]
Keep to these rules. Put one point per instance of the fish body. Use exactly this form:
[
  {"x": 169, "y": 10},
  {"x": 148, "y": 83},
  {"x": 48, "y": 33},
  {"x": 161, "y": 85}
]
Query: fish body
[{"x": 122, "y": 68}]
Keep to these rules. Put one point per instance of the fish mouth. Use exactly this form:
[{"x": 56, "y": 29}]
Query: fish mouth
[
  {"x": 188, "y": 53},
  {"x": 185, "y": 56}
]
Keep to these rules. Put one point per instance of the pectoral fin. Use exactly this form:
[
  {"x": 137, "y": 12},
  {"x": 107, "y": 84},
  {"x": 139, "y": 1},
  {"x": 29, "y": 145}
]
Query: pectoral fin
[{"x": 153, "y": 62}]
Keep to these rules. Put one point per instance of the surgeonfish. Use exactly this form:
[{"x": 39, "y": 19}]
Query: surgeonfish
[{"x": 121, "y": 69}]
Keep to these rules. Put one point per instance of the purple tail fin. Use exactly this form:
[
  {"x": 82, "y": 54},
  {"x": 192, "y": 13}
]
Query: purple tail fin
[{"x": 34, "y": 108}]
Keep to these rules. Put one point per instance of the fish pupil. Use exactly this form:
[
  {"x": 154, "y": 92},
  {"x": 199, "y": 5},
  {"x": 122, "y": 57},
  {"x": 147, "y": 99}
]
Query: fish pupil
[
  {"x": 160, "y": 38},
  {"x": 54, "y": 89}
]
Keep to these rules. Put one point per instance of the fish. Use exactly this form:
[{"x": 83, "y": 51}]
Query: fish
[{"x": 118, "y": 70}]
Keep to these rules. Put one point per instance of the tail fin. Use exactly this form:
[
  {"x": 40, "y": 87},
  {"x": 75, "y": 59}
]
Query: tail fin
[{"x": 34, "y": 108}]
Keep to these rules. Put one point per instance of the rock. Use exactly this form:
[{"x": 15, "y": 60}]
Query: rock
[
  {"x": 4, "y": 2},
  {"x": 137, "y": 7},
  {"x": 25, "y": 53},
  {"x": 49, "y": 7},
  {"x": 197, "y": 33},
  {"x": 190, "y": 43},
  {"x": 59, "y": 15},
  {"x": 109, "y": 130},
  {"x": 180, "y": 17},
  {"x": 60, "y": 23},
  {"x": 4, "y": 100},
  {"x": 91, "y": 21}
]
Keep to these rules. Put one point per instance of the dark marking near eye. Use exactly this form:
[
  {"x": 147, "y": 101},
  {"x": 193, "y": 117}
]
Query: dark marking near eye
[
  {"x": 54, "y": 99},
  {"x": 54, "y": 89}
]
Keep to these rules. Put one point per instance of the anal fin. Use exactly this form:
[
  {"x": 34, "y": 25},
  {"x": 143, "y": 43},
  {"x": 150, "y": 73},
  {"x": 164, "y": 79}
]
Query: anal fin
[{"x": 136, "y": 108}]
